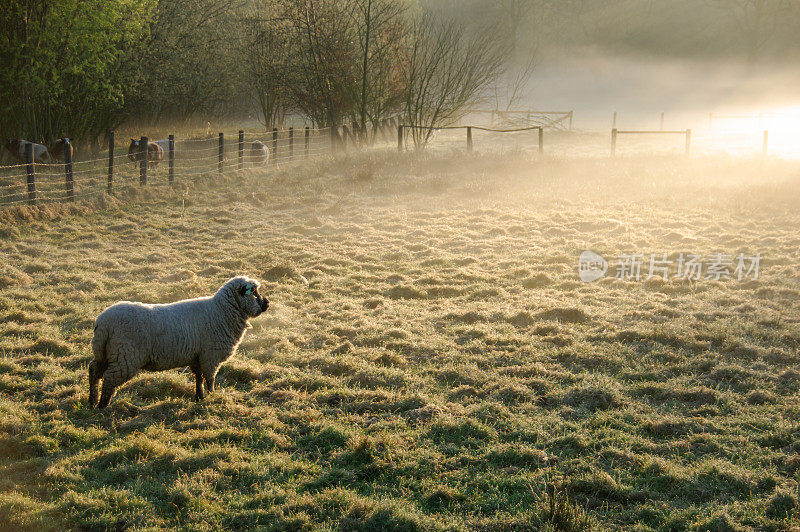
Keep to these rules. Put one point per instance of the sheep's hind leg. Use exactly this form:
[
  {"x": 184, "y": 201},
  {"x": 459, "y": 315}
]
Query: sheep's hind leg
[
  {"x": 96, "y": 371},
  {"x": 115, "y": 377},
  {"x": 94, "y": 379},
  {"x": 199, "y": 394},
  {"x": 108, "y": 392}
]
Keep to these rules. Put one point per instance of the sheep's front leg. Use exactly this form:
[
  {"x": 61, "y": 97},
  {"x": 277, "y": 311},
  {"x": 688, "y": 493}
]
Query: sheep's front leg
[
  {"x": 199, "y": 394},
  {"x": 210, "y": 361}
]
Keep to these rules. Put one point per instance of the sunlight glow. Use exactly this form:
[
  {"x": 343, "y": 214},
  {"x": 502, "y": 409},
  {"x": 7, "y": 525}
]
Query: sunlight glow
[{"x": 744, "y": 132}]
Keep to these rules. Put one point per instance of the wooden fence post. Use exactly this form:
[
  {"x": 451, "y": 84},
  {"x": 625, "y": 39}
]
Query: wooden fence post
[
  {"x": 171, "y": 148},
  {"x": 221, "y": 153},
  {"x": 274, "y": 145},
  {"x": 688, "y": 141},
  {"x": 614, "y": 122},
  {"x": 571, "y": 113},
  {"x": 68, "y": 176},
  {"x": 662, "y": 121},
  {"x": 110, "y": 161},
  {"x": 291, "y": 143},
  {"x": 241, "y": 150},
  {"x": 541, "y": 140},
  {"x": 765, "y": 144},
  {"x": 400, "y": 138},
  {"x": 31, "y": 175},
  {"x": 306, "y": 141},
  {"x": 614, "y": 139},
  {"x": 469, "y": 139},
  {"x": 143, "y": 161}
]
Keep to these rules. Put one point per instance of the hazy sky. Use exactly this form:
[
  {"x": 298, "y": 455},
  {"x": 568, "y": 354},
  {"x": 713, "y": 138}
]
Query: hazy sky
[{"x": 642, "y": 57}]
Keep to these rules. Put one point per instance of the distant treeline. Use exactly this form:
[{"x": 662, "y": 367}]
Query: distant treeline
[{"x": 82, "y": 68}]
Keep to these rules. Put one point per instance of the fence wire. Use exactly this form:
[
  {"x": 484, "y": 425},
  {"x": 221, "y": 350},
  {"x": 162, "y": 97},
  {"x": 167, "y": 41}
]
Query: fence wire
[{"x": 191, "y": 158}]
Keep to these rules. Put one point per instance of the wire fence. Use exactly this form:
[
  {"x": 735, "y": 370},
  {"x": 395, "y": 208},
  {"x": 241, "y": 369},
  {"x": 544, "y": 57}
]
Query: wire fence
[
  {"x": 174, "y": 161},
  {"x": 168, "y": 161}
]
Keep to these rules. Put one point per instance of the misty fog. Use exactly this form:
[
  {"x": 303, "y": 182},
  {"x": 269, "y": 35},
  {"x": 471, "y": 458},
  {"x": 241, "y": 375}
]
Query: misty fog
[{"x": 687, "y": 58}]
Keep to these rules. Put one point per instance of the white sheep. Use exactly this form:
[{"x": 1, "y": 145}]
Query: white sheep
[
  {"x": 259, "y": 153},
  {"x": 200, "y": 333}
]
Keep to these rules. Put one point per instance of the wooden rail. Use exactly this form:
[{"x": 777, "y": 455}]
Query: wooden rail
[
  {"x": 615, "y": 132},
  {"x": 554, "y": 119},
  {"x": 469, "y": 129}
]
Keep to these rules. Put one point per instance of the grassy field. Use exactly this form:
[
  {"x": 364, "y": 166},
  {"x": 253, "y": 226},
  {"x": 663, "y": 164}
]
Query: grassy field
[{"x": 430, "y": 359}]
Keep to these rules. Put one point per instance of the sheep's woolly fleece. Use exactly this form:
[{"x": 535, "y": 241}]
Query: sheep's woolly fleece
[{"x": 201, "y": 332}]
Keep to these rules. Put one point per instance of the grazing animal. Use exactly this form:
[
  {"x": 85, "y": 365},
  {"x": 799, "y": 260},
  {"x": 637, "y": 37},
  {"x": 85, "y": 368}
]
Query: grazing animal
[
  {"x": 57, "y": 150},
  {"x": 201, "y": 333},
  {"x": 16, "y": 147},
  {"x": 163, "y": 144},
  {"x": 259, "y": 154},
  {"x": 154, "y": 153}
]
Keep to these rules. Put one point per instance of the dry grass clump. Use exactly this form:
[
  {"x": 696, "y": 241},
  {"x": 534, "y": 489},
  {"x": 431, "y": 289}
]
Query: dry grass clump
[{"x": 430, "y": 360}]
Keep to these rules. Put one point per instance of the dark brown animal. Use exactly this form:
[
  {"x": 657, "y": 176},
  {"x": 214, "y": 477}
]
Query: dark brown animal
[
  {"x": 154, "y": 153},
  {"x": 57, "y": 150}
]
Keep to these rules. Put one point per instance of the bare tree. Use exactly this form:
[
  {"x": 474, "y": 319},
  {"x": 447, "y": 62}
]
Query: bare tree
[
  {"x": 323, "y": 66},
  {"x": 446, "y": 71},
  {"x": 366, "y": 9},
  {"x": 378, "y": 28},
  {"x": 268, "y": 56},
  {"x": 338, "y": 58}
]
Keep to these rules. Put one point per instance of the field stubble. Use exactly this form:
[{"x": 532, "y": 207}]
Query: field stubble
[{"x": 430, "y": 359}]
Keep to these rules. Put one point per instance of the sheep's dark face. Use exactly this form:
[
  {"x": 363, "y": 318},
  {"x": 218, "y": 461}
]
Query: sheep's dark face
[
  {"x": 133, "y": 150},
  {"x": 250, "y": 299}
]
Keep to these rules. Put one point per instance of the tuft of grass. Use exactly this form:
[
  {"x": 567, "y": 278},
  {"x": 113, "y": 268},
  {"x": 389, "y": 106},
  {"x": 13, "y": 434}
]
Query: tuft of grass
[
  {"x": 442, "y": 498},
  {"x": 564, "y": 315},
  {"x": 519, "y": 456},
  {"x": 594, "y": 396},
  {"x": 782, "y": 505},
  {"x": 461, "y": 432},
  {"x": 557, "y": 511}
]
